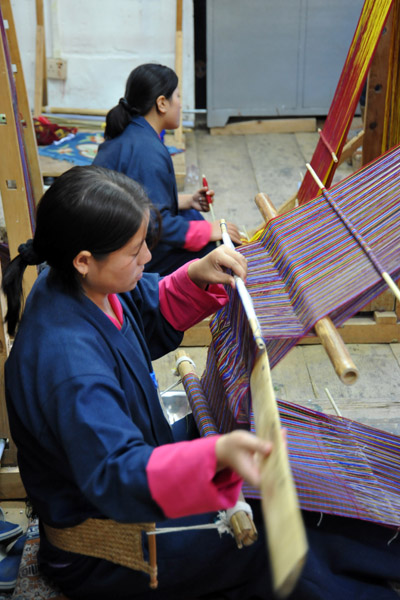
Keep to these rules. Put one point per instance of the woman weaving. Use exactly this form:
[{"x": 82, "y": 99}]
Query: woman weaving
[
  {"x": 92, "y": 439},
  {"x": 133, "y": 146}
]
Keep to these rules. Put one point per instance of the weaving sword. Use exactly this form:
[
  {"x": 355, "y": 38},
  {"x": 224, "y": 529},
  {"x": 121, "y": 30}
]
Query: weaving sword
[{"x": 284, "y": 527}]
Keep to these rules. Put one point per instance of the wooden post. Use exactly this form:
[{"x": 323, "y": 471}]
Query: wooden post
[
  {"x": 376, "y": 95},
  {"x": 43, "y": 82},
  {"x": 12, "y": 182},
  {"x": 178, "y": 134},
  {"x": 23, "y": 104},
  {"x": 374, "y": 118},
  {"x": 16, "y": 130},
  {"x": 39, "y": 73}
]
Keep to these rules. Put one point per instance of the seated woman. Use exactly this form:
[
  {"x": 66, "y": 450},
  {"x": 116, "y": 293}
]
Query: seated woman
[
  {"x": 93, "y": 443},
  {"x": 133, "y": 146},
  {"x": 82, "y": 395}
]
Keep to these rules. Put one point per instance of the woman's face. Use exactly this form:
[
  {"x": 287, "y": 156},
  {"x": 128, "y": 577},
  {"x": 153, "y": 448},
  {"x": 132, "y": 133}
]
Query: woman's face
[
  {"x": 120, "y": 270},
  {"x": 173, "y": 113}
]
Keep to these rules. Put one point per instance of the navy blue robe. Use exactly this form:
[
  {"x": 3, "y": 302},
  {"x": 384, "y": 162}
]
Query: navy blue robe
[
  {"x": 85, "y": 415},
  {"x": 139, "y": 153}
]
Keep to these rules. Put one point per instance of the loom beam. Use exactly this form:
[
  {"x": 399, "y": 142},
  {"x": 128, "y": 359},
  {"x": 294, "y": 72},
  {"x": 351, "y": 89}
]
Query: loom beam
[
  {"x": 242, "y": 524},
  {"x": 324, "y": 328}
]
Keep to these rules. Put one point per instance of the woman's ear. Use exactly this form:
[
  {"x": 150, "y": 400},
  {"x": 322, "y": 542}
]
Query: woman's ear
[
  {"x": 162, "y": 105},
  {"x": 82, "y": 261}
]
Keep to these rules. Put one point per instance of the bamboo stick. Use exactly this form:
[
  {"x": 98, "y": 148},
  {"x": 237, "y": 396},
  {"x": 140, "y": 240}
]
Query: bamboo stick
[{"x": 153, "y": 560}]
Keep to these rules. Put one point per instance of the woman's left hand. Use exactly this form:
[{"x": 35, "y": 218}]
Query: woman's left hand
[
  {"x": 200, "y": 201},
  {"x": 212, "y": 267}
]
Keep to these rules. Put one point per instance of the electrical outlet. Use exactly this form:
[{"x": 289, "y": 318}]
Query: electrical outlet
[{"x": 56, "y": 68}]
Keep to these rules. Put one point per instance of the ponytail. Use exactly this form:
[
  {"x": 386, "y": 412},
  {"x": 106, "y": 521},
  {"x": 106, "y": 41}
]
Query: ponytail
[
  {"x": 12, "y": 283},
  {"x": 144, "y": 85},
  {"x": 118, "y": 118}
]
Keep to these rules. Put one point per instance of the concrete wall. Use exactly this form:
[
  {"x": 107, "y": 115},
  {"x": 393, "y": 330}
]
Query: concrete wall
[{"x": 102, "y": 41}]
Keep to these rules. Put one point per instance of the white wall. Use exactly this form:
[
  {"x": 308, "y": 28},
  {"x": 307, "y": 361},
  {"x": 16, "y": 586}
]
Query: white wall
[{"x": 102, "y": 41}]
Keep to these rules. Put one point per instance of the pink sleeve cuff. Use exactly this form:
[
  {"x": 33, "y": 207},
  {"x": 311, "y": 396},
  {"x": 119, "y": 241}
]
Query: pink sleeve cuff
[
  {"x": 184, "y": 304},
  {"x": 197, "y": 235},
  {"x": 170, "y": 475}
]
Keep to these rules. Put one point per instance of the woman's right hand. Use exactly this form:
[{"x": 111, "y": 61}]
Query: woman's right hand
[
  {"x": 242, "y": 452},
  {"x": 233, "y": 232}
]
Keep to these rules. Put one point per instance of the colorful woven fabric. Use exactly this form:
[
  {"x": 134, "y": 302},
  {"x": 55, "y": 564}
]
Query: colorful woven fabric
[
  {"x": 339, "y": 466},
  {"x": 48, "y": 132},
  {"x": 199, "y": 405},
  {"x": 307, "y": 265},
  {"x": 79, "y": 149},
  {"x": 342, "y": 467}
]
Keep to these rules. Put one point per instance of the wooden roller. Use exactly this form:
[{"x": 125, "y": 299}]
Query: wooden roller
[
  {"x": 324, "y": 328},
  {"x": 242, "y": 524}
]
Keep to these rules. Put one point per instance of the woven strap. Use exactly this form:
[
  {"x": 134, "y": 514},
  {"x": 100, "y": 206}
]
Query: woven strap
[{"x": 119, "y": 543}]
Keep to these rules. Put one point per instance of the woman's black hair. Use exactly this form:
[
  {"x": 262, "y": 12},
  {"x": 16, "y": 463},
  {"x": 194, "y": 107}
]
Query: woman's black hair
[
  {"x": 144, "y": 85},
  {"x": 87, "y": 208}
]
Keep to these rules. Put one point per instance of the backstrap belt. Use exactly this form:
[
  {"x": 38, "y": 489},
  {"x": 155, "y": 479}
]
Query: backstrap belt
[{"x": 119, "y": 543}]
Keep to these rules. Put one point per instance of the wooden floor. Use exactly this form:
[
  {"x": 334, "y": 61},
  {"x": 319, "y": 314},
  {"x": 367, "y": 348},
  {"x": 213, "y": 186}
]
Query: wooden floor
[{"x": 237, "y": 168}]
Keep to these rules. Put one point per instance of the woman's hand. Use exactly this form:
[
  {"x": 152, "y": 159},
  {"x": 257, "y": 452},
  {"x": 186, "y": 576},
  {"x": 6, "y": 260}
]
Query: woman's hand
[
  {"x": 216, "y": 233},
  {"x": 242, "y": 452},
  {"x": 212, "y": 267},
  {"x": 200, "y": 201}
]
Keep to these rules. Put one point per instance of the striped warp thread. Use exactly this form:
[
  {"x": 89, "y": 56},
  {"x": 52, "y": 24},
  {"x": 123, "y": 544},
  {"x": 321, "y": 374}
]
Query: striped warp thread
[
  {"x": 305, "y": 266},
  {"x": 348, "y": 91},
  {"x": 340, "y": 467}
]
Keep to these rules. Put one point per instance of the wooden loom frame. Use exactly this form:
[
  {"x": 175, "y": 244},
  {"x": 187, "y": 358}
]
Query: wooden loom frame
[
  {"x": 16, "y": 213},
  {"x": 379, "y": 321}
]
